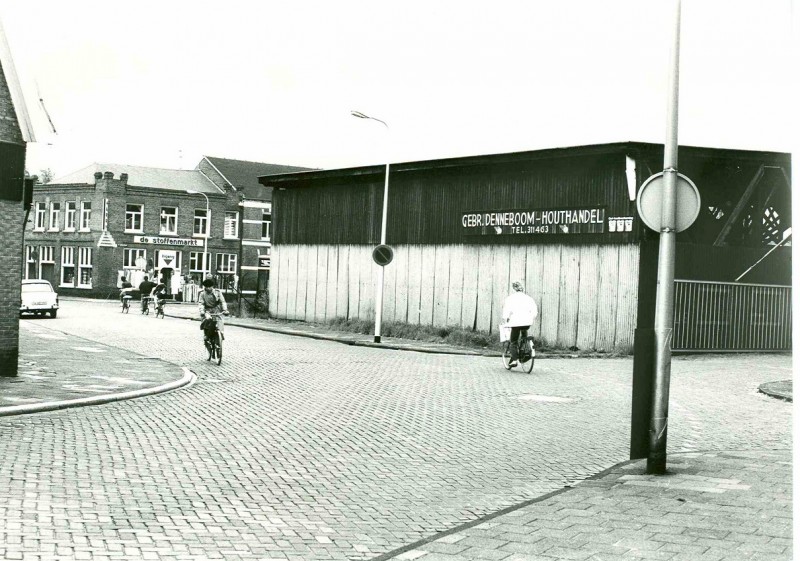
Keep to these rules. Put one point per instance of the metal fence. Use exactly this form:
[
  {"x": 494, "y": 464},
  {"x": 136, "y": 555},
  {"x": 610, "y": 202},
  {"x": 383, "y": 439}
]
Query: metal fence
[{"x": 721, "y": 316}]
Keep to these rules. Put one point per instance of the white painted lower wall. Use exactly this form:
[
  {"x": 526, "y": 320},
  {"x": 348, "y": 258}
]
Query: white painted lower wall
[{"x": 586, "y": 294}]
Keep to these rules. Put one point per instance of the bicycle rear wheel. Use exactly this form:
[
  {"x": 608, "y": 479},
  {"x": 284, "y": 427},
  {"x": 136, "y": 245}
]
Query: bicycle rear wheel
[
  {"x": 218, "y": 345},
  {"x": 507, "y": 355},
  {"x": 527, "y": 366}
]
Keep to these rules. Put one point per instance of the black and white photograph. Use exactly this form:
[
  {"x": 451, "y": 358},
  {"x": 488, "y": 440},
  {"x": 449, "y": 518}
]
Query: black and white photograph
[{"x": 408, "y": 281}]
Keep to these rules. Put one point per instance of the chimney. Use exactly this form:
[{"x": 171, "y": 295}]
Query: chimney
[
  {"x": 123, "y": 177},
  {"x": 108, "y": 175}
]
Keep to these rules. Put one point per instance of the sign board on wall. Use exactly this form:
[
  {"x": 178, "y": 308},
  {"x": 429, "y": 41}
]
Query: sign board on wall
[
  {"x": 168, "y": 241},
  {"x": 536, "y": 221}
]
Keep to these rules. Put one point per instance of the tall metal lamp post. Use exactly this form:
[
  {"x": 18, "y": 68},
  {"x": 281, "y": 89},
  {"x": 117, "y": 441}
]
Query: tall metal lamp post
[
  {"x": 206, "y": 257},
  {"x": 379, "y": 291}
]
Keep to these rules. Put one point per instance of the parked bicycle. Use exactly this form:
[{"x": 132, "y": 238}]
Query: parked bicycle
[{"x": 213, "y": 337}]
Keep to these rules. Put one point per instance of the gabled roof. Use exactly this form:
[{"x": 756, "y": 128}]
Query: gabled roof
[
  {"x": 139, "y": 176},
  {"x": 243, "y": 175}
]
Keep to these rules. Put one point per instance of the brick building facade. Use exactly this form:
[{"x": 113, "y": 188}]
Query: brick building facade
[
  {"x": 15, "y": 131},
  {"x": 91, "y": 227}
]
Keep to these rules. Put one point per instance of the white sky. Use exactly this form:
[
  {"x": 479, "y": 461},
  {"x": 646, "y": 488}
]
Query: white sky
[{"x": 161, "y": 83}]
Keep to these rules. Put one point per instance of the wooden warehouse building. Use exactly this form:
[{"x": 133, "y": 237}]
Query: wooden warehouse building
[{"x": 562, "y": 220}]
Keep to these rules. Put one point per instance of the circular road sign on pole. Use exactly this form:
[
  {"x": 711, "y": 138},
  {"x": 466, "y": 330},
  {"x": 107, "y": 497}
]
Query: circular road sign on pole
[
  {"x": 687, "y": 206},
  {"x": 382, "y": 255}
]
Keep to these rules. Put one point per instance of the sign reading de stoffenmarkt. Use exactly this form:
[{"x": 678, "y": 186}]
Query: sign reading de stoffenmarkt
[{"x": 536, "y": 221}]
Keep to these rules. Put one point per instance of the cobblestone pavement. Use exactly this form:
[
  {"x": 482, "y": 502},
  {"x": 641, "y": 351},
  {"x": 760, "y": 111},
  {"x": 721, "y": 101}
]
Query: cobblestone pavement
[{"x": 295, "y": 448}]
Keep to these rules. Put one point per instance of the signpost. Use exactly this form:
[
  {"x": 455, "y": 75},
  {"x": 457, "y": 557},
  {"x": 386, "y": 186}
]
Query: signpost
[
  {"x": 382, "y": 255},
  {"x": 649, "y": 202}
]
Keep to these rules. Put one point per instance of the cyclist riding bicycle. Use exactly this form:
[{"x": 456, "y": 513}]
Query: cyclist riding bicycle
[
  {"x": 145, "y": 288},
  {"x": 125, "y": 288},
  {"x": 211, "y": 301},
  {"x": 160, "y": 293},
  {"x": 519, "y": 311}
]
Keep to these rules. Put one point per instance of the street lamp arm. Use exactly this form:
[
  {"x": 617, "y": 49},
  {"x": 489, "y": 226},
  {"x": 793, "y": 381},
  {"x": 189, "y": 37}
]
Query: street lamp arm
[{"x": 361, "y": 115}]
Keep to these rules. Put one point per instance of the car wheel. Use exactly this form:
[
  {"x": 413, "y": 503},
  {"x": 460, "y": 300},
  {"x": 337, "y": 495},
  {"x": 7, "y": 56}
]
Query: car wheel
[{"x": 53, "y": 313}]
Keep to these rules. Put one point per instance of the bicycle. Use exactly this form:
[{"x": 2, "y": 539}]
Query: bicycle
[
  {"x": 526, "y": 353},
  {"x": 126, "y": 303},
  {"x": 160, "y": 307},
  {"x": 213, "y": 339}
]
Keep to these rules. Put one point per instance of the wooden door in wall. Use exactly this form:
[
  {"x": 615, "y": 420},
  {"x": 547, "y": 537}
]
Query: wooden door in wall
[{"x": 48, "y": 273}]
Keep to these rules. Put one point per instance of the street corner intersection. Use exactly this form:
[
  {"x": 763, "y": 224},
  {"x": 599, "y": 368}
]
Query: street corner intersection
[{"x": 296, "y": 448}]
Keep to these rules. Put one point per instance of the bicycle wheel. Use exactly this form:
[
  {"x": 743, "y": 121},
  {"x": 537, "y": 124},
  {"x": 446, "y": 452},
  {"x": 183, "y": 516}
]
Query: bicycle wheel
[
  {"x": 527, "y": 366},
  {"x": 507, "y": 355},
  {"x": 209, "y": 348},
  {"x": 218, "y": 345}
]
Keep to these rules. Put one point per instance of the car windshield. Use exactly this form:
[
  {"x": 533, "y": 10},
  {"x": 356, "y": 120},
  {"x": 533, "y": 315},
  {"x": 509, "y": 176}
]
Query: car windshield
[{"x": 36, "y": 288}]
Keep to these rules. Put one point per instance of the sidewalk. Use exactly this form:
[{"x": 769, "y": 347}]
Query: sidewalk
[
  {"x": 53, "y": 373},
  {"x": 710, "y": 506}
]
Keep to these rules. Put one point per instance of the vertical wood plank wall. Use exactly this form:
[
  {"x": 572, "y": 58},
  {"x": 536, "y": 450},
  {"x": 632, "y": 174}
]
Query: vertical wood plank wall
[{"x": 586, "y": 293}]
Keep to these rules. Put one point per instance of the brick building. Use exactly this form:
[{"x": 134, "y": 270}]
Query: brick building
[
  {"x": 104, "y": 221},
  {"x": 15, "y": 132},
  {"x": 256, "y": 212}
]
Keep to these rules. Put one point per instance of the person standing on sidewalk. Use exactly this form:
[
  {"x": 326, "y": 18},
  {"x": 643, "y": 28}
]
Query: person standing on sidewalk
[{"x": 519, "y": 312}]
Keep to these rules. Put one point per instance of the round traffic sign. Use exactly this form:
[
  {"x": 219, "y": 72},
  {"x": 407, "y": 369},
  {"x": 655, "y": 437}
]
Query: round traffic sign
[
  {"x": 687, "y": 204},
  {"x": 382, "y": 255}
]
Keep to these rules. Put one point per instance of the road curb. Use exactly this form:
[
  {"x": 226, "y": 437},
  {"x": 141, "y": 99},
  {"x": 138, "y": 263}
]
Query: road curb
[
  {"x": 778, "y": 390},
  {"x": 188, "y": 378}
]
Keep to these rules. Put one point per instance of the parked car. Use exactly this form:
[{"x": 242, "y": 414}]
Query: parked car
[{"x": 39, "y": 298}]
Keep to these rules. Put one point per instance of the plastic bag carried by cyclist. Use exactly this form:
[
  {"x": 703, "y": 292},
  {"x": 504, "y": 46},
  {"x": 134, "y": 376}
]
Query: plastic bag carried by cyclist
[
  {"x": 211, "y": 301},
  {"x": 519, "y": 312}
]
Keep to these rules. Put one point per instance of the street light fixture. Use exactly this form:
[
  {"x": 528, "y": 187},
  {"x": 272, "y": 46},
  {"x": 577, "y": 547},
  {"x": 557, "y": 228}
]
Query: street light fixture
[
  {"x": 379, "y": 291},
  {"x": 206, "y": 257}
]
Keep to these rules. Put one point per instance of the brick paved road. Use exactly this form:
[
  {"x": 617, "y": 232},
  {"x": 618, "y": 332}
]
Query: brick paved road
[{"x": 303, "y": 449}]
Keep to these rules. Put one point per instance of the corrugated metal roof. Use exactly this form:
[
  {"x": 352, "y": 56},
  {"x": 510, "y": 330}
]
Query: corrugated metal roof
[
  {"x": 243, "y": 175},
  {"x": 139, "y": 176}
]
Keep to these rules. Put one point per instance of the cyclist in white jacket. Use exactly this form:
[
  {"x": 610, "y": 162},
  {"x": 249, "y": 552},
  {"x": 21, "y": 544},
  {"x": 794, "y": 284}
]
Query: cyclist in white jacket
[{"x": 519, "y": 312}]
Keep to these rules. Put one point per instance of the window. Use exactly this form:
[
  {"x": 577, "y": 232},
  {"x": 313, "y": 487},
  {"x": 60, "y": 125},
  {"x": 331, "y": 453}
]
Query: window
[
  {"x": 69, "y": 216},
  {"x": 133, "y": 218},
  {"x": 226, "y": 263},
  {"x": 85, "y": 267},
  {"x": 129, "y": 257},
  {"x": 169, "y": 220},
  {"x": 38, "y": 223},
  {"x": 68, "y": 266},
  {"x": 200, "y": 223},
  {"x": 198, "y": 262},
  {"x": 30, "y": 260},
  {"x": 231, "y": 225},
  {"x": 46, "y": 254},
  {"x": 55, "y": 211},
  {"x": 266, "y": 222},
  {"x": 86, "y": 215}
]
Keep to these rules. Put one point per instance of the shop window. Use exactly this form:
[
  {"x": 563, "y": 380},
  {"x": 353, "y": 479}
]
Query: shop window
[
  {"x": 200, "y": 223},
  {"x": 55, "y": 212},
  {"x": 85, "y": 267},
  {"x": 69, "y": 216},
  {"x": 134, "y": 218},
  {"x": 169, "y": 220},
  {"x": 129, "y": 257},
  {"x": 39, "y": 217},
  {"x": 199, "y": 262},
  {"x": 86, "y": 215},
  {"x": 68, "y": 266},
  {"x": 232, "y": 225}
]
